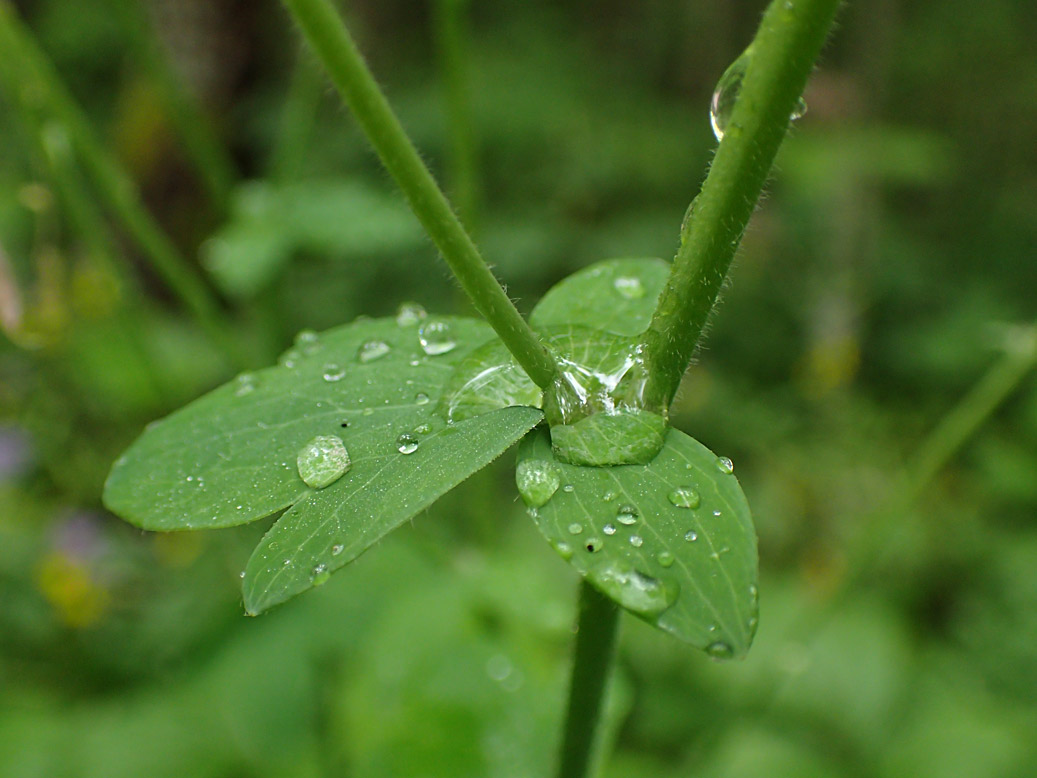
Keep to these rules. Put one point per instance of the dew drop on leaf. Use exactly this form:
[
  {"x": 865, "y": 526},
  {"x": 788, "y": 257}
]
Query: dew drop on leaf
[
  {"x": 565, "y": 551},
  {"x": 691, "y": 536},
  {"x": 245, "y": 384},
  {"x": 684, "y": 497},
  {"x": 725, "y": 465},
  {"x": 307, "y": 341},
  {"x": 609, "y": 529},
  {"x": 334, "y": 372},
  {"x": 409, "y": 314},
  {"x": 665, "y": 558},
  {"x": 372, "y": 350},
  {"x": 635, "y": 591},
  {"x": 636, "y": 541},
  {"x": 629, "y": 287},
  {"x": 575, "y": 529},
  {"x": 321, "y": 574},
  {"x": 421, "y": 399},
  {"x": 406, "y": 443},
  {"x": 720, "y": 650},
  {"x": 337, "y": 549},
  {"x": 323, "y": 461},
  {"x": 537, "y": 481},
  {"x": 627, "y": 514},
  {"x": 436, "y": 338}
]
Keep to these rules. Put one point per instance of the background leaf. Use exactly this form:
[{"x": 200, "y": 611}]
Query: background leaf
[
  {"x": 672, "y": 541},
  {"x": 617, "y": 295},
  {"x": 230, "y": 457}
]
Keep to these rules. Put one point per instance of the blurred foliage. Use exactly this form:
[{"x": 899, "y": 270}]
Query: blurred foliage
[{"x": 875, "y": 286}]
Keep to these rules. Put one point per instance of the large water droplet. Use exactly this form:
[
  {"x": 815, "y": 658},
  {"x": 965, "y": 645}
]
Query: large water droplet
[
  {"x": 720, "y": 650},
  {"x": 633, "y": 589},
  {"x": 627, "y": 514},
  {"x": 409, "y": 314},
  {"x": 537, "y": 481},
  {"x": 372, "y": 350},
  {"x": 725, "y": 465},
  {"x": 436, "y": 338},
  {"x": 629, "y": 287},
  {"x": 323, "y": 461},
  {"x": 333, "y": 373},
  {"x": 726, "y": 95},
  {"x": 406, "y": 443},
  {"x": 684, "y": 497}
]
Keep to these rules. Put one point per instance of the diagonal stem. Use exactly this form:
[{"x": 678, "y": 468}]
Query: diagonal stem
[{"x": 338, "y": 52}]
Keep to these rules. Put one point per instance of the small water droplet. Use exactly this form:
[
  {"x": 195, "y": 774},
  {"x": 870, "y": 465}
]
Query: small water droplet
[
  {"x": 436, "y": 338},
  {"x": 323, "y": 461},
  {"x": 372, "y": 350},
  {"x": 537, "y": 481},
  {"x": 409, "y": 314},
  {"x": 498, "y": 667},
  {"x": 565, "y": 551},
  {"x": 321, "y": 574},
  {"x": 686, "y": 224},
  {"x": 629, "y": 287},
  {"x": 367, "y": 411},
  {"x": 575, "y": 529},
  {"x": 636, "y": 541},
  {"x": 684, "y": 497},
  {"x": 593, "y": 545},
  {"x": 720, "y": 650},
  {"x": 627, "y": 514},
  {"x": 333, "y": 372},
  {"x": 290, "y": 358},
  {"x": 245, "y": 384},
  {"x": 241, "y": 574},
  {"x": 421, "y": 399},
  {"x": 725, "y": 465},
  {"x": 423, "y": 429},
  {"x": 609, "y": 529},
  {"x": 665, "y": 558},
  {"x": 406, "y": 443},
  {"x": 308, "y": 342},
  {"x": 569, "y": 488},
  {"x": 716, "y": 514},
  {"x": 691, "y": 536},
  {"x": 337, "y": 549},
  {"x": 799, "y": 111}
]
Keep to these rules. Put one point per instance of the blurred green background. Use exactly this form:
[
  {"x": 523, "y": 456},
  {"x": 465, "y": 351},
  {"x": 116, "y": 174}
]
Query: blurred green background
[{"x": 889, "y": 268}]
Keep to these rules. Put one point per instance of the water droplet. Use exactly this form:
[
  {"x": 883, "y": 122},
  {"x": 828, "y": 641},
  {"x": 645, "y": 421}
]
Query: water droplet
[
  {"x": 307, "y": 341},
  {"x": 665, "y": 558},
  {"x": 241, "y": 574},
  {"x": 575, "y": 529},
  {"x": 372, "y": 350},
  {"x": 726, "y": 94},
  {"x": 627, "y": 514},
  {"x": 716, "y": 514},
  {"x": 684, "y": 497},
  {"x": 691, "y": 536},
  {"x": 337, "y": 549},
  {"x": 436, "y": 338},
  {"x": 367, "y": 412},
  {"x": 423, "y": 429},
  {"x": 323, "y": 461},
  {"x": 245, "y": 384},
  {"x": 636, "y": 541},
  {"x": 333, "y": 372},
  {"x": 720, "y": 650},
  {"x": 321, "y": 574},
  {"x": 609, "y": 529},
  {"x": 406, "y": 443},
  {"x": 609, "y": 496},
  {"x": 686, "y": 222},
  {"x": 498, "y": 667},
  {"x": 800, "y": 110},
  {"x": 409, "y": 314},
  {"x": 290, "y": 358},
  {"x": 421, "y": 399},
  {"x": 725, "y": 465},
  {"x": 565, "y": 551},
  {"x": 629, "y": 287},
  {"x": 633, "y": 589},
  {"x": 537, "y": 481},
  {"x": 593, "y": 545},
  {"x": 568, "y": 488}
]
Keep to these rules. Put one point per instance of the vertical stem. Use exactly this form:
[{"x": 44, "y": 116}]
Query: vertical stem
[
  {"x": 450, "y": 18},
  {"x": 592, "y": 664},
  {"x": 40, "y": 85},
  {"x": 331, "y": 40},
  {"x": 784, "y": 50}
]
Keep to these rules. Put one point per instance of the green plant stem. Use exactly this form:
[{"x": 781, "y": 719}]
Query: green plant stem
[
  {"x": 788, "y": 42},
  {"x": 213, "y": 165},
  {"x": 331, "y": 40},
  {"x": 592, "y": 665},
  {"x": 450, "y": 19},
  {"x": 41, "y": 88}
]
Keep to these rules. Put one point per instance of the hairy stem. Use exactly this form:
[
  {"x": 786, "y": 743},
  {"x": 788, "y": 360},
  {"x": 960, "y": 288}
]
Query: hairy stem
[
  {"x": 335, "y": 47},
  {"x": 592, "y": 664},
  {"x": 784, "y": 50}
]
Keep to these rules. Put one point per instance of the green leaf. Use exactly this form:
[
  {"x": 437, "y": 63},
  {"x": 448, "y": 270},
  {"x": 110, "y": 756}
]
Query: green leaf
[
  {"x": 671, "y": 541},
  {"x": 617, "y": 295},
  {"x": 232, "y": 456},
  {"x": 384, "y": 487}
]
